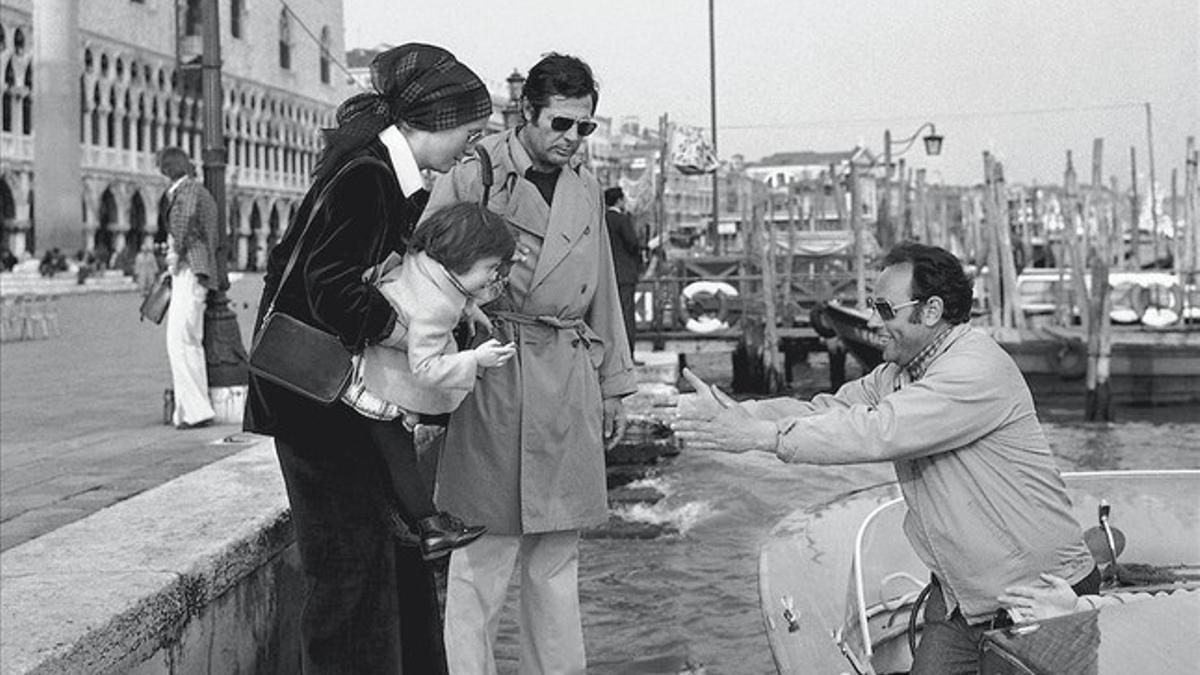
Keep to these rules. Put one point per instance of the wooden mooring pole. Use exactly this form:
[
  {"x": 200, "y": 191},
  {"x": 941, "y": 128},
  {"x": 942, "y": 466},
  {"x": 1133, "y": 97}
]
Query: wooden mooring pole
[{"x": 1098, "y": 404}]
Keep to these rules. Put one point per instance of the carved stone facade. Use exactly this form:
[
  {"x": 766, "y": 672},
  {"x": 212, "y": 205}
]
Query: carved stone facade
[{"x": 139, "y": 92}]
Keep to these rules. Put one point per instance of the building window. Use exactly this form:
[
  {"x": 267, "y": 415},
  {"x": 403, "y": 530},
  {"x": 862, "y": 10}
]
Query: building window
[
  {"x": 285, "y": 40},
  {"x": 235, "y": 17},
  {"x": 325, "y": 55},
  {"x": 192, "y": 17}
]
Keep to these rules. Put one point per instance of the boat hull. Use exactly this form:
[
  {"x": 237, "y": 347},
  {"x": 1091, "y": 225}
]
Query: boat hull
[{"x": 809, "y": 553}]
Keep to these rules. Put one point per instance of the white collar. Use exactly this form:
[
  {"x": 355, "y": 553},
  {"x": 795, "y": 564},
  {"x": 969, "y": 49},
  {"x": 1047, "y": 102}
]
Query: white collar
[
  {"x": 403, "y": 162},
  {"x": 175, "y": 186}
]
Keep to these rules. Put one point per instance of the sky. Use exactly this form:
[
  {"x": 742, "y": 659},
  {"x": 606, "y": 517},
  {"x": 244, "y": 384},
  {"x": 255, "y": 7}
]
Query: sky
[{"x": 1027, "y": 80}]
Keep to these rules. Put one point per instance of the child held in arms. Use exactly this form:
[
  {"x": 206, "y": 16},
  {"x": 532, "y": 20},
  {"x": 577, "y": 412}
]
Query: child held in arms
[{"x": 456, "y": 261}]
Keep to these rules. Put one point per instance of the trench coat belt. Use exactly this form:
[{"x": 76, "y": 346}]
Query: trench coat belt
[{"x": 576, "y": 324}]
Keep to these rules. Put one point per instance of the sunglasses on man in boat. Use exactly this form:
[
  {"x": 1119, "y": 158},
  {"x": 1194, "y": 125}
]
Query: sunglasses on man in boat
[
  {"x": 561, "y": 124},
  {"x": 887, "y": 311}
]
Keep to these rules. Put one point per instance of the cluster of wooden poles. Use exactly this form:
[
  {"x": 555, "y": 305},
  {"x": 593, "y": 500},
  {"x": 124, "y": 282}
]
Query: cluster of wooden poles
[{"x": 1095, "y": 223}]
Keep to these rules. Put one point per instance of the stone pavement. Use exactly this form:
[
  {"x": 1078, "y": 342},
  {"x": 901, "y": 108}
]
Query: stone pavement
[{"x": 81, "y": 414}]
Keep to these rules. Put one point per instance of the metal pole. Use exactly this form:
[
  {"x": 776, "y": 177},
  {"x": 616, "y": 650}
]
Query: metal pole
[
  {"x": 714, "y": 234},
  {"x": 223, "y": 349}
]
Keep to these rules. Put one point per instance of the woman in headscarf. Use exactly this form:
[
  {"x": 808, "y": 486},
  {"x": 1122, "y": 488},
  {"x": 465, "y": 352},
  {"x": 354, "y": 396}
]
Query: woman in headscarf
[{"x": 367, "y": 594}]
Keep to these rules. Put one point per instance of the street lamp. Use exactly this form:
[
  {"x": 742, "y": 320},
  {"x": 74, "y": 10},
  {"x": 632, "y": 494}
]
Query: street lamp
[
  {"x": 933, "y": 146},
  {"x": 512, "y": 111}
]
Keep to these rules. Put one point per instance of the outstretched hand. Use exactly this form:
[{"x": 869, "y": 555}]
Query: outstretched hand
[{"x": 711, "y": 420}]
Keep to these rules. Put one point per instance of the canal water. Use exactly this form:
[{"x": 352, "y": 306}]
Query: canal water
[{"x": 688, "y": 602}]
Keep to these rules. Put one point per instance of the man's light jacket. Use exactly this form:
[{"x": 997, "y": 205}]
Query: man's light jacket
[{"x": 987, "y": 507}]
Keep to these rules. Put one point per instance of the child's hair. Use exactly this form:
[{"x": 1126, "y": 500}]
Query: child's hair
[{"x": 460, "y": 234}]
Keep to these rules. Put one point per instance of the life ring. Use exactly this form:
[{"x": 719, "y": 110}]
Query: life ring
[
  {"x": 1162, "y": 304},
  {"x": 1070, "y": 360},
  {"x": 701, "y": 294}
]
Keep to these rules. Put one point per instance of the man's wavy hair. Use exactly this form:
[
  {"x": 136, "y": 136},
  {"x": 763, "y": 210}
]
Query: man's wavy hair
[
  {"x": 559, "y": 75},
  {"x": 936, "y": 271}
]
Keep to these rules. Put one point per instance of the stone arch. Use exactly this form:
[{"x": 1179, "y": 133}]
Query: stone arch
[
  {"x": 8, "y": 213},
  {"x": 94, "y": 115},
  {"x": 27, "y": 102},
  {"x": 108, "y": 217},
  {"x": 137, "y": 221},
  {"x": 10, "y": 83},
  {"x": 257, "y": 257},
  {"x": 127, "y": 128},
  {"x": 164, "y": 226},
  {"x": 110, "y": 118},
  {"x": 274, "y": 228}
]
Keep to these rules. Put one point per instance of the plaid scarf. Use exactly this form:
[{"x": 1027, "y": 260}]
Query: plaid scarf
[{"x": 420, "y": 84}]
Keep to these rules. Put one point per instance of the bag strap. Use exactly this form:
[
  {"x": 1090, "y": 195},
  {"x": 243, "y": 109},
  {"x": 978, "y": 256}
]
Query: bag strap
[
  {"x": 486, "y": 175},
  {"x": 317, "y": 206}
]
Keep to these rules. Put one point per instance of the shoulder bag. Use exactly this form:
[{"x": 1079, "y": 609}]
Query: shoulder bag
[
  {"x": 294, "y": 355},
  {"x": 154, "y": 305}
]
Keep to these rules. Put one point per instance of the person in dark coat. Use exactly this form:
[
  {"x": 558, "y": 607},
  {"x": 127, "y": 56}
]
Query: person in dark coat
[
  {"x": 372, "y": 605},
  {"x": 627, "y": 257}
]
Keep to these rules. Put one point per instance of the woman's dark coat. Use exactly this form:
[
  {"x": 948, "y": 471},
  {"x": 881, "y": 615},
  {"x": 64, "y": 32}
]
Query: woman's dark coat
[{"x": 326, "y": 287}]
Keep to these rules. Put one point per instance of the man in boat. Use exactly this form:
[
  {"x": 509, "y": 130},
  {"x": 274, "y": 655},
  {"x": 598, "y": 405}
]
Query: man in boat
[{"x": 949, "y": 408}]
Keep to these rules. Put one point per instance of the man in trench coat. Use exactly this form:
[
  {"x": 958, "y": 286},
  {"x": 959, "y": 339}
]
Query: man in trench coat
[{"x": 524, "y": 454}]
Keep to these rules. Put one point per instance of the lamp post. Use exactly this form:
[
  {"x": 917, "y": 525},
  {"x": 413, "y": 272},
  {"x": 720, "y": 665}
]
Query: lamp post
[
  {"x": 933, "y": 147},
  {"x": 223, "y": 349},
  {"x": 512, "y": 111}
]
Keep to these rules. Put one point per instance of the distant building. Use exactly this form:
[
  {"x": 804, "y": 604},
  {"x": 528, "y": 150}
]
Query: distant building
[
  {"x": 806, "y": 178},
  {"x": 138, "y": 90}
]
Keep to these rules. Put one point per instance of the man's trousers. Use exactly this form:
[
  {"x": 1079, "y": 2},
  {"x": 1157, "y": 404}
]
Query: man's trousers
[
  {"x": 551, "y": 625},
  {"x": 185, "y": 348}
]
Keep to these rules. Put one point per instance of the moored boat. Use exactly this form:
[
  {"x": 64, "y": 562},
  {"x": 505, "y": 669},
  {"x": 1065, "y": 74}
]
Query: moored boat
[{"x": 816, "y": 622}]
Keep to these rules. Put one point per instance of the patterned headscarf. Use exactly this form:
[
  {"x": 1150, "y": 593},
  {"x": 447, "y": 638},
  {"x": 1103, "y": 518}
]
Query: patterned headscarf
[{"x": 420, "y": 84}]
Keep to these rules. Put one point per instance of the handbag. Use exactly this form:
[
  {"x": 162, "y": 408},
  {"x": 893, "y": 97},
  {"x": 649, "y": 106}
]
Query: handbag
[
  {"x": 294, "y": 355},
  {"x": 154, "y": 305}
]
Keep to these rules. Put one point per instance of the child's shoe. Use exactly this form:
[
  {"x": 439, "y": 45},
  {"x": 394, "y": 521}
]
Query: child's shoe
[{"x": 444, "y": 532}]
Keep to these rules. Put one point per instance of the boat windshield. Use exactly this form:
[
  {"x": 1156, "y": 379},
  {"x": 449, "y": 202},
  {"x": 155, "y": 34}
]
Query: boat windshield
[
  {"x": 885, "y": 579},
  {"x": 1155, "y": 512}
]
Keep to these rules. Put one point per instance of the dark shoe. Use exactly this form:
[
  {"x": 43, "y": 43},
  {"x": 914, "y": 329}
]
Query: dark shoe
[
  {"x": 198, "y": 425},
  {"x": 443, "y": 533},
  {"x": 638, "y": 363}
]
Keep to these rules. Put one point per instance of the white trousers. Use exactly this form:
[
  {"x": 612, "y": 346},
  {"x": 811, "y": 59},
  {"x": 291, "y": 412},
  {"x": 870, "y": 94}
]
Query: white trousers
[
  {"x": 185, "y": 348},
  {"x": 551, "y": 626}
]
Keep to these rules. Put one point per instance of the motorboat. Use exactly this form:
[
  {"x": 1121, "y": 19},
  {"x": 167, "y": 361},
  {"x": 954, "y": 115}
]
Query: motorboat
[{"x": 1149, "y": 519}]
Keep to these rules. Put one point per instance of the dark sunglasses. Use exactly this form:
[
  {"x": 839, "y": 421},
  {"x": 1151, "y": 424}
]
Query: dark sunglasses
[
  {"x": 887, "y": 311},
  {"x": 584, "y": 127}
]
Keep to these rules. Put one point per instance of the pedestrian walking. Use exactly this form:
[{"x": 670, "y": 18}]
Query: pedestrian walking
[
  {"x": 145, "y": 268},
  {"x": 524, "y": 455},
  {"x": 192, "y": 261},
  {"x": 627, "y": 258},
  {"x": 372, "y": 605}
]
